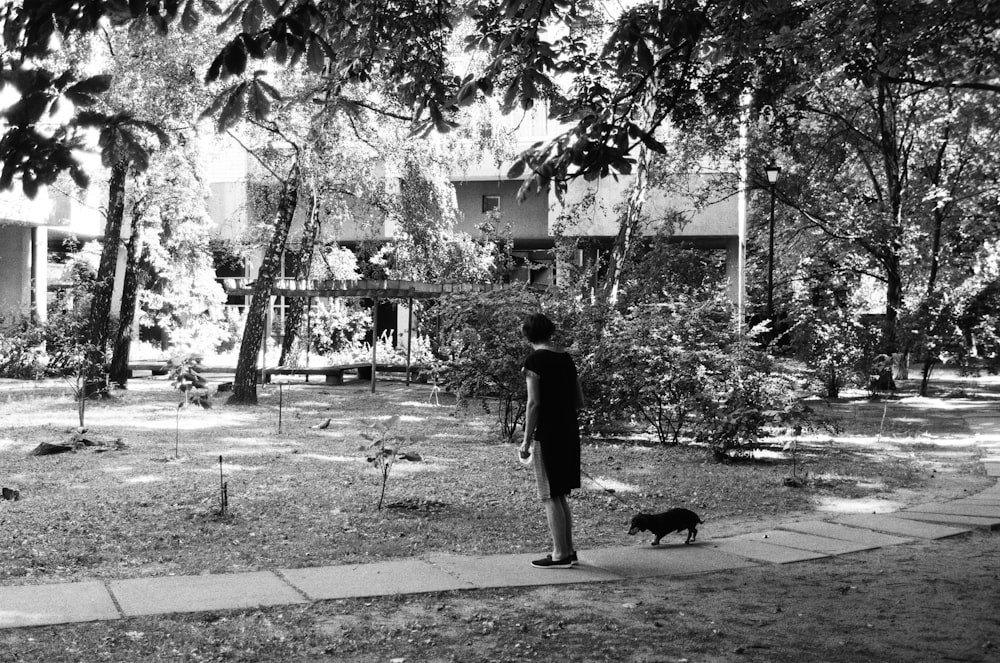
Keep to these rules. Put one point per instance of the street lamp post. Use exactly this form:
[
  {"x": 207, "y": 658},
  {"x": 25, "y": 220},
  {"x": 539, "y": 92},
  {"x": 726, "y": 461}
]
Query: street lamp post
[{"x": 773, "y": 171}]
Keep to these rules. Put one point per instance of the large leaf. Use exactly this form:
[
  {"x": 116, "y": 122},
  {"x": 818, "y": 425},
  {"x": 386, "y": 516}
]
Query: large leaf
[{"x": 86, "y": 92}]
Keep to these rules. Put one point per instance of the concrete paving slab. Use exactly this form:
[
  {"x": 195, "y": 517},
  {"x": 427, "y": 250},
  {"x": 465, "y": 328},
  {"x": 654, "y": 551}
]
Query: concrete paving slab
[
  {"x": 958, "y": 508},
  {"x": 409, "y": 576},
  {"x": 516, "y": 570},
  {"x": 993, "y": 500},
  {"x": 989, "y": 493},
  {"x": 62, "y": 603},
  {"x": 881, "y": 522},
  {"x": 663, "y": 560},
  {"x": 758, "y": 549},
  {"x": 820, "y": 544},
  {"x": 232, "y": 591},
  {"x": 952, "y": 519},
  {"x": 856, "y": 534}
]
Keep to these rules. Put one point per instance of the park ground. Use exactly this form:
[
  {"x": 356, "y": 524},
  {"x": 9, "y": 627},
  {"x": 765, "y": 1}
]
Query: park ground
[{"x": 143, "y": 500}]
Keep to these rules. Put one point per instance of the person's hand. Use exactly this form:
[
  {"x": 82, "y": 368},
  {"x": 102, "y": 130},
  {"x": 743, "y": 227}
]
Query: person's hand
[{"x": 525, "y": 450}]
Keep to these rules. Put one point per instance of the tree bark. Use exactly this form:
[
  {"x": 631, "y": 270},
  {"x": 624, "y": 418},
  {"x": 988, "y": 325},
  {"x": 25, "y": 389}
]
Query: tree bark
[
  {"x": 100, "y": 304},
  {"x": 628, "y": 228},
  {"x": 119, "y": 372},
  {"x": 245, "y": 380},
  {"x": 295, "y": 309}
]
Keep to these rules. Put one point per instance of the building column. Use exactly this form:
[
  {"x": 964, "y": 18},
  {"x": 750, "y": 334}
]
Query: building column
[{"x": 39, "y": 273}]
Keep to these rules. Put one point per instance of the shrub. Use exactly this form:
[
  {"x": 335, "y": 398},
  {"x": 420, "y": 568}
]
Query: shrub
[
  {"x": 649, "y": 364},
  {"x": 336, "y": 326},
  {"x": 659, "y": 359},
  {"x": 30, "y": 349},
  {"x": 482, "y": 341},
  {"x": 836, "y": 347},
  {"x": 22, "y": 349},
  {"x": 750, "y": 397}
]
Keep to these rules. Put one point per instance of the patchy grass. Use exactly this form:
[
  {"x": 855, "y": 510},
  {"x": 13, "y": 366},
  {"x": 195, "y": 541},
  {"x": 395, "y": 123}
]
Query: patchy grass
[{"x": 306, "y": 496}]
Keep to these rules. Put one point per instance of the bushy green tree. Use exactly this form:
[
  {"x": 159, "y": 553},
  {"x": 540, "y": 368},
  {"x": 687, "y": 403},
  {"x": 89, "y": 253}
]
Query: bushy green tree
[
  {"x": 483, "y": 348},
  {"x": 750, "y": 398}
]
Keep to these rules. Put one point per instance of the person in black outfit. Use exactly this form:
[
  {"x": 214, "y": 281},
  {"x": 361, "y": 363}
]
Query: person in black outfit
[{"x": 552, "y": 434}]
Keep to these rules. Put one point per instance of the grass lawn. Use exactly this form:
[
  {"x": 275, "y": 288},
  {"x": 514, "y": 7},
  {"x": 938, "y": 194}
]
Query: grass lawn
[{"x": 306, "y": 496}]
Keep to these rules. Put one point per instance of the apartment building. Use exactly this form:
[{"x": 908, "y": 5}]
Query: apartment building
[{"x": 32, "y": 233}]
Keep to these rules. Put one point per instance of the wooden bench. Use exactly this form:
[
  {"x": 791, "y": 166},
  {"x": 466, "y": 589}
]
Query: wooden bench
[
  {"x": 155, "y": 367},
  {"x": 161, "y": 368},
  {"x": 333, "y": 374}
]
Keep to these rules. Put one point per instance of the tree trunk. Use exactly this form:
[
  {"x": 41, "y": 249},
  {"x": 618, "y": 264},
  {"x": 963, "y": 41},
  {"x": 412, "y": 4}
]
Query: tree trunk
[
  {"x": 245, "y": 380},
  {"x": 894, "y": 303},
  {"x": 925, "y": 374},
  {"x": 119, "y": 373},
  {"x": 296, "y": 307},
  {"x": 628, "y": 228},
  {"x": 100, "y": 304}
]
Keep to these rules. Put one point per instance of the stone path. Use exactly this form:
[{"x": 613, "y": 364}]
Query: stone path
[{"x": 36, "y": 605}]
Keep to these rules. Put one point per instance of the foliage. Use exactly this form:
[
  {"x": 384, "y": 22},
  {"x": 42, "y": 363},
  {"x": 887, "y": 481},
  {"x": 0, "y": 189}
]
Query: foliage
[
  {"x": 31, "y": 349},
  {"x": 22, "y": 348},
  {"x": 334, "y": 325},
  {"x": 482, "y": 347},
  {"x": 751, "y": 398},
  {"x": 889, "y": 172},
  {"x": 192, "y": 388},
  {"x": 655, "y": 363},
  {"x": 837, "y": 347},
  {"x": 385, "y": 447},
  {"x": 425, "y": 245},
  {"x": 676, "y": 61},
  {"x": 188, "y": 381},
  {"x": 829, "y": 336}
]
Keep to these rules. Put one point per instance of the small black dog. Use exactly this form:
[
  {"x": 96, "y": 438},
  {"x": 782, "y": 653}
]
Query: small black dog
[{"x": 661, "y": 524}]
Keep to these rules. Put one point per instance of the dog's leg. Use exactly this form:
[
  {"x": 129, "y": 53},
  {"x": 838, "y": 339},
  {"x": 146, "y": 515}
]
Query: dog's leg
[{"x": 656, "y": 541}]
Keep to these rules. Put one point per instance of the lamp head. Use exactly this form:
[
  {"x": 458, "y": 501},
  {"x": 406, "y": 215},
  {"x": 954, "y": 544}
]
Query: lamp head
[{"x": 773, "y": 170}]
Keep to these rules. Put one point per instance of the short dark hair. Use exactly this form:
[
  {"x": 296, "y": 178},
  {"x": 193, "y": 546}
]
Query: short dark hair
[{"x": 537, "y": 328}]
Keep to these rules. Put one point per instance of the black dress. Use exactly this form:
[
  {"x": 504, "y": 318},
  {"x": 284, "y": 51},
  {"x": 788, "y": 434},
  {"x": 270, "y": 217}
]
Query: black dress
[{"x": 557, "y": 431}]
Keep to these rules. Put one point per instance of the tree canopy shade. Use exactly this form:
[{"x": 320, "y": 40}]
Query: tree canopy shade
[
  {"x": 679, "y": 60},
  {"x": 666, "y": 54}
]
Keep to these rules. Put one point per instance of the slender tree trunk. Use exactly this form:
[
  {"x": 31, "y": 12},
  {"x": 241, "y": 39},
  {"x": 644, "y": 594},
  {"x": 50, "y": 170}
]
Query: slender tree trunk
[
  {"x": 130, "y": 291},
  {"x": 891, "y": 151},
  {"x": 629, "y": 226},
  {"x": 295, "y": 309},
  {"x": 100, "y": 305},
  {"x": 939, "y": 215},
  {"x": 245, "y": 381}
]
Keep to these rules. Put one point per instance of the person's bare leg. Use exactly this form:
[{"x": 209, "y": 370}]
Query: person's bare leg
[
  {"x": 556, "y": 516},
  {"x": 568, "y": 517}
]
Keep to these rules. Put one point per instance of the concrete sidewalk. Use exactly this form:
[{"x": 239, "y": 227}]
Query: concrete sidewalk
[{"x": 36, "y": 605}]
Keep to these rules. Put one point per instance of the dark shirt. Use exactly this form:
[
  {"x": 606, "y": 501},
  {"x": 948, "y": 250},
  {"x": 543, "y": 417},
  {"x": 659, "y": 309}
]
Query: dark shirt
[
  {"x": 557, "y": 431},
  {"x": 557, "y": 392}
]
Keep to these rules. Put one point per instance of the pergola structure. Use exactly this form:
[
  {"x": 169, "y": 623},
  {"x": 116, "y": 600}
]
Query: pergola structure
[{"x": 367, "y": 288}]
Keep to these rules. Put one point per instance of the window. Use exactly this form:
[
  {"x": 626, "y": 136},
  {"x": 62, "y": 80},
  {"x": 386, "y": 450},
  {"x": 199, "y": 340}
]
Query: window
[
  {"x": 490, "y": 203},
  {"x": 288, "y": 269}
]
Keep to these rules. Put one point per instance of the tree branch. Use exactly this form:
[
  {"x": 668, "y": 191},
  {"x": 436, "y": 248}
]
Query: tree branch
[{"x": 944, "y": 85}]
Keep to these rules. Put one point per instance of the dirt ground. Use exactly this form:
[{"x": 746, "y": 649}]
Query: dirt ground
[
  {"x": 930, "y": 601},
  {"x": 921, "y": 601}
]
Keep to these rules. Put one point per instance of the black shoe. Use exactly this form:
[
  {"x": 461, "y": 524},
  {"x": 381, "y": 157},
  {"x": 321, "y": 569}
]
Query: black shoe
[
  {"x": 548, "y": 563},
  {"x": 572, "y": 558}
]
